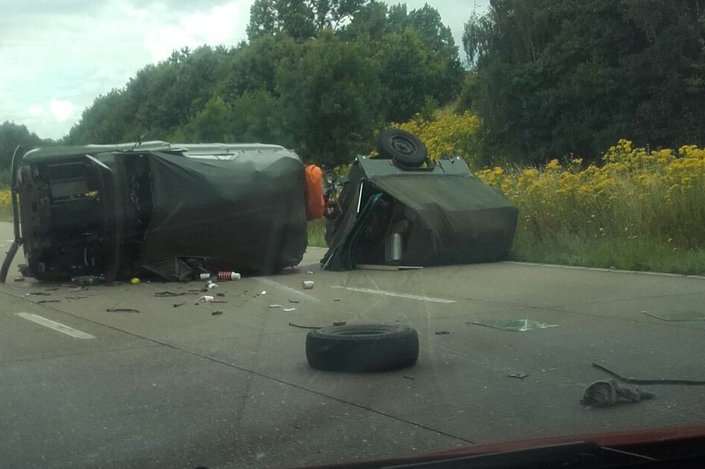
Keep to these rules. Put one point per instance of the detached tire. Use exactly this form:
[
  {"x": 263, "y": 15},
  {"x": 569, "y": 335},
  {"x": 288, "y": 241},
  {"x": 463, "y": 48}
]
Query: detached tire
[
  {"x": 403, "y": 147},
  {"x": 373, "y": 347}
]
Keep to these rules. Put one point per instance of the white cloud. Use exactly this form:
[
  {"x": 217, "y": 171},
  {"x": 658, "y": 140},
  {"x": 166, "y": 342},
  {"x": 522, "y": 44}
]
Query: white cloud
[
  {"x": 36, "y": 110},
  {"x": 61, "y": 109}
]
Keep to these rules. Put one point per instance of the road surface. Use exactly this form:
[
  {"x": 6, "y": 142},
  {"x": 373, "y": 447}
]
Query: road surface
[{"x": 179, "y": 387}]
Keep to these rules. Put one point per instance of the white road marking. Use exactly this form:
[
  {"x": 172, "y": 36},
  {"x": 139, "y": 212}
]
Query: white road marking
[
  {"x": 426, "y": 299},
  {"x": 57, "y": 326},
  {"x": 292, "y": 291},
  {"x": 602, "y": 269}
]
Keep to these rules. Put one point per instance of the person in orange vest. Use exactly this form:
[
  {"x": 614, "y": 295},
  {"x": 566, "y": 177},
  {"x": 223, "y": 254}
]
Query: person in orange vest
[{"x": 315, "y": 201}]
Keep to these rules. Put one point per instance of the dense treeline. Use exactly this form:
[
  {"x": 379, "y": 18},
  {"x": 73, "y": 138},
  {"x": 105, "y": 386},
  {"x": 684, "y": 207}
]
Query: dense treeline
[
  {"x": 320, "y": 77},
  {"x": 554, "y": 77},
  {"x": 12, "y": 136},
  {"x": 547, "y": 78}
]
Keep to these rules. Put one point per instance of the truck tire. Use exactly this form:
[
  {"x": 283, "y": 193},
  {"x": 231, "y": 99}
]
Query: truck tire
[
  {"x": 362, "y": 347},
  {"x": 403, "y": 147}
]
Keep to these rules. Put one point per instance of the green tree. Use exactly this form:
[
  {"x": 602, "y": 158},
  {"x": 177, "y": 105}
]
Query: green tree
[
  {"x": 330, "y": 96},
  {"x": 554, "y": 77},
  {"x": 11, "y": 136}
]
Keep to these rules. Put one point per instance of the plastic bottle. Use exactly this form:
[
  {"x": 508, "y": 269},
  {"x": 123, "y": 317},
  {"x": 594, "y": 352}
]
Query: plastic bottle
[{"x": 224, "y": 276}]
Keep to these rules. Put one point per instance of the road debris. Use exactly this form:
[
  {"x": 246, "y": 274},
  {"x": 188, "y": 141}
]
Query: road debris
[
  {"x": 340, "y": 323},
  {"x": 262, "y": 293},
  {"x": 275, "y": 306},
  {"x": 291, "y": 300},
  {"x": 75, "y": 297},
  {"x": 204, "y": 276},
  {"x": 135, "y": 281},
  {"x": 228, "y": 276},
  {"x": 685, "y": 382},
  {"x": 305, "y": 327},
  {"x": 122, "y": 310},
  {"x": 206, "y": 299},
  {"x": 87, "y": 280},
  {"x": 37, "y": 293},
  {"x": 178, "y": 305},
  {"x": 308, "y": 284},
  {"x": 610, "y": 393},
  {"x": 39, "y": 302},
  {"x": 168, "y": 294},
  {"x": 677, "y": 316},
  {"x": 518, "y": 375},
  {"x": 309, "y": 272},
  {"x": 289, "y": 310},
  {"x": 410, "y": 378},
  {"x": 216, "y": 313},
  {"x": 442, "y": 332},
  {"x": 211, "y": 285},
  {"x": 337, "y": 300},
  {"x": 514, "y": 325}
]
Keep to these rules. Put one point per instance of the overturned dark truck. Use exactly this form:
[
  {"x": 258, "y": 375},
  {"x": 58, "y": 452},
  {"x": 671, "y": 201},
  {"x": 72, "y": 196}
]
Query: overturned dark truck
[
  {"x": 115, "y": 211},
  {"x": 402, "y": 209}
]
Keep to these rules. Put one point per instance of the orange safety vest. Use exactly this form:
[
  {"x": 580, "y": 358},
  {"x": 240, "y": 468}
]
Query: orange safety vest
[{"x": 315, "y": 202}]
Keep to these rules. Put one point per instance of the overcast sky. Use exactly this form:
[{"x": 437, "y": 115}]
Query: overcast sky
[{"x": 56, "y": 56}]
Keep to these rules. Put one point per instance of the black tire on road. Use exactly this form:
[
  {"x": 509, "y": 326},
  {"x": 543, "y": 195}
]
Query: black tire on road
[
  {"x": 403, "y": 147},
  {"x": 362, "y": 347}
]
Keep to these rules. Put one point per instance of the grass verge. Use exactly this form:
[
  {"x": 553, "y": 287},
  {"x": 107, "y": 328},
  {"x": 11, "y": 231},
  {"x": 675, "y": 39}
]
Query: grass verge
[{"x": 317, "y": 233}]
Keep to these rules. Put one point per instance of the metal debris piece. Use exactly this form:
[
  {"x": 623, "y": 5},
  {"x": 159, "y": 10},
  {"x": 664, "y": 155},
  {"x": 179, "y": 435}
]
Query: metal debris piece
[
  {"x": 291, "y": 300},
  {"x": 262, "y": 293},
  {"x": 289, "y": 310},
  {"x": 686, "y": 382},
  {"x": 168, "y": 294},
  {"x": 39, "y": 302},
  {"x": 514, "y": 325},
  {"x": 177, "y": 305},
  {"x": 308, "y": 284},
  {"x": 216, "y": 313},
  {"x": 610, "y": 393},
  {"x": 220, "y": 294},
  {"x": 340, "y": 323},
  {"x": 677, "y": 316},
  {"x": 275, "y": 306},
  {"x": 518, "y": 375},
  {"x": 304, "y": 327},
  {"x": 122, "y": 310},
  {"x": 37, "y": 293},
  {"x": 442, "y": 332}
]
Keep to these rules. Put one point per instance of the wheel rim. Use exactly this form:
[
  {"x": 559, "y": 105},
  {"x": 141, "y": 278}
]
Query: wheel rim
[{"x": 403, "y": 145}]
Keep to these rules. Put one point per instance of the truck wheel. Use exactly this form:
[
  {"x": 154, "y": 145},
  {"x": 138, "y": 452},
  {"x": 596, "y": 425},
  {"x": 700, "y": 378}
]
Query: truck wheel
[
  {"x": 403, "y": 147},
  {"x": 362, "y": 347}
]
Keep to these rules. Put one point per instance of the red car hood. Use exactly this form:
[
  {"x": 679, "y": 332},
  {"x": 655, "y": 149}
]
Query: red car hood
[{"x": 619, "y": 440}]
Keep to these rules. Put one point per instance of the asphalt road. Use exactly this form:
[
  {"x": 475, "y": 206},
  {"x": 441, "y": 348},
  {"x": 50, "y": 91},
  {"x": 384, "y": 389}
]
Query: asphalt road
[{"x": 178, "y": 387}]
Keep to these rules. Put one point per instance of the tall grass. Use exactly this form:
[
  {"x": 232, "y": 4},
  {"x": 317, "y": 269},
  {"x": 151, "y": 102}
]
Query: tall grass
[{"x": 640, "y": 209}]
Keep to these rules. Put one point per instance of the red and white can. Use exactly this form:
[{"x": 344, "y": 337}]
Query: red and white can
[{"x": 225, "y": 276}]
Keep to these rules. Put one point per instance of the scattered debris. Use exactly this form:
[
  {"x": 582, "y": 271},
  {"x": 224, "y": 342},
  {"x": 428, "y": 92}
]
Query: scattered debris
[
  {"x": 275, "y": 306},
  {"x": 518, "y": 375},
  {"x": 305, "y": 327},
  {"x": 168, "y": 294},
  {"x": 677, "y": 316},
  {"x": 291, "y": 300},
  {"x": 410, "y": 378},
  {"x": 216, "y": 313},
  {"x": 211, "y": 285},
  {"x": 220, "y": 295},
  {"x": 39, "y": 302},
  {"x": 206, "y": 299},
  {"x": 336, "y": 300},
  {"x": 308, "y": 284},
  {"x": 204, "y": 276},
  {"x": 610, "y": 393},
  {"x": 75, "y": 297},
  {"x": 178, "y": 305},
  {"x": 387, "y": 267},
  {"x": 262, "y": 293},
  {"x": 135, "y": 281},
  {"x": 340, "y": 323},
  {"x": 52, "y": 289},
  {"x": 122, "y": 310},
  {"x": 289, "y": 310},
  {"x": 87, "y": 280},
  {"x": 37, "y": 293},
  {"x": 442, "y": 332},
  {"x": 686, "y": 382},
  {"x": 514, "y": 325},
  {"x": 309, "y": 272}
]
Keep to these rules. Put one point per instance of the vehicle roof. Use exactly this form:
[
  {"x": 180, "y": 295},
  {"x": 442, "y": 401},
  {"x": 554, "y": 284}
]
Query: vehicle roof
[{"x": 188, "y": 149}]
